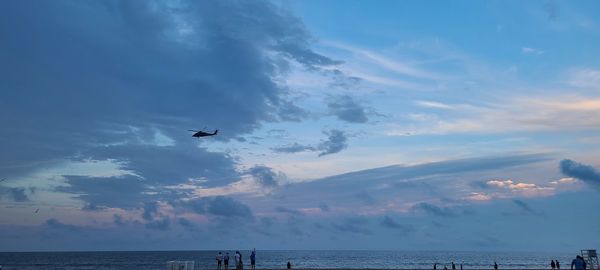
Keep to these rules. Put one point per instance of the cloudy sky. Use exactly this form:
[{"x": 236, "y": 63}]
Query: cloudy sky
[{"x": 405, "y": 125}]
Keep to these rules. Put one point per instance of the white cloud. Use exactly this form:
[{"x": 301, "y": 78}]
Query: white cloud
[
  {"x": 521, "y": 188},
  {"x": 433, "y": 104},
  {"x": 529, "y": 50}
]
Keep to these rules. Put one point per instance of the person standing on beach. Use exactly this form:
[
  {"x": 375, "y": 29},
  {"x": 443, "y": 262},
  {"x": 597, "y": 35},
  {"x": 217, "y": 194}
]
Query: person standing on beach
[
  {"x": 553, "y": 265},
  {"x": 226, "y": 261},
  {"x": 495, "y": 266},
  {"x": 219, "y": 258},
  {"x": 289, "y": 265},
  {"x": 238, "y": 261},
  {"x": 435, "y": 266},
  {"x": 579, "y": 263},
  {"x": 461, "y": 265},
  {"x": 253, "y": 259},
  {"x": 453, "y": 266},
  {"x": 557, "y": 265}
]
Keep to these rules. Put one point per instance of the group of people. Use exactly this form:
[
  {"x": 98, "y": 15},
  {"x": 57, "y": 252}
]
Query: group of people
[
  {"x": 446, "y": 268},
  {"x": 223, "y": 260},
  {"x": 461, "y": 266}
]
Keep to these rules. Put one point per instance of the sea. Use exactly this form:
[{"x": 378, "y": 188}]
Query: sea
[{"x": 300, "y": 259}]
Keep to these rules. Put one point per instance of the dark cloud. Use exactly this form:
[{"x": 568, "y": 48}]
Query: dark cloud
[
  {"x": 355, "y": 225},
  {"x": 17, "y": 194},
  {"x": 125, "y": 191},
  {"x": 187, "y": 224},
  {"x": 585, "y": 173},
  {"x": 336, "y": 142},
  {"x": 111, "y": 73},
  {"x": 265, "y": 175},
  {"x": 288, "y": 211},
  {"x": 288, "y": 111},
  {"x": 54, "y": 224},
  {"x": 161, "y": 224},
  {"x": 392, "y": 224},
  {"x": 434, "y": 210},
  {"x": 177, "y": 164},
  {"x": 347, "y": 109},
  {"x": 118, "y": 220},
  {"x": 366, "y": 198},
  {"x": 91, "y": 207},
  {"x": 170, "y": 164},
  {"x": 342, "y": 80},
  {"x": 228, "y": 207},
  {"x": 524, "y": 206},
  {"x": 150, "y": 210},
  {"x": 293, "y": 148},
  {"x": 479, "y": 184},
  {"x": 220, "y": 206},
  {"x": 324, "y": 207},
  {"x": 267, "y": 221}
]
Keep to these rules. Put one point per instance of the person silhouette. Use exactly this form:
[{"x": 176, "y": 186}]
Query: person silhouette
[
  {"x": 239, "y": 265},
  {"x": 495, "y": 266},
  {"x": 253, "y": 259},
  {"x": 578, "y": 263},
  {"x": 289, "y": 265},
  {"x": 219, "y": 259},
  {"x": 552, "y": 264},
  {"x": 435, "y": 266},
  {"x": 453, "y": 266},
  {"x": 557, "y": 264}
]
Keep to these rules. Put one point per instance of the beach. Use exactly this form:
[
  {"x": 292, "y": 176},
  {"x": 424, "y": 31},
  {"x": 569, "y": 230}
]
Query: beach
[{"x": 300, "y": 259}]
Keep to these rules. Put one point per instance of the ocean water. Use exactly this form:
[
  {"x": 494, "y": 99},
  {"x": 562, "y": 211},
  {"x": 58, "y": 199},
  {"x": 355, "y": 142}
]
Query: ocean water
[{"x": 300, "y": 259}]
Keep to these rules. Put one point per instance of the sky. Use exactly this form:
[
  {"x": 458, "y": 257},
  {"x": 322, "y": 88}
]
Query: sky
[{"x": 378, "y": 125}]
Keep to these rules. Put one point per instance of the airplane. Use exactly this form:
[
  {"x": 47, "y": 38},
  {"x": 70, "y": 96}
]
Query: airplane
[
  {"x": 37, "y": 210},
  {"x": 200, "y": 133}
]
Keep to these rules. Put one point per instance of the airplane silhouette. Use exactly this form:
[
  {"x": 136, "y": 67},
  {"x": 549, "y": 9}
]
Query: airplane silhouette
[
  {"x": 200, "y": 133},
  {"x": 37, "y": 210}
]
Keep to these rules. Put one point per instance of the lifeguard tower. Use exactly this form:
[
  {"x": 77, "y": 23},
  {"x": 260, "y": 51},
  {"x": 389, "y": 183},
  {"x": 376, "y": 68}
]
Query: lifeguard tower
[{"x": 591, "y": 258}]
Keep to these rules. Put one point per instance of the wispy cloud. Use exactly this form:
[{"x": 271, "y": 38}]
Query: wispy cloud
[
  {"x": 513, "y": 115},
  {"x": 528, "y": 50},
  {"x": 434, "y": 104},
  {"x": 584, "y": 77},
  {"x": 384, "y": 61}
]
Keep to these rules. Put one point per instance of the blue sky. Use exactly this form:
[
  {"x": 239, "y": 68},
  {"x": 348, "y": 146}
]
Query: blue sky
[{"x": 404, "y": 125}]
